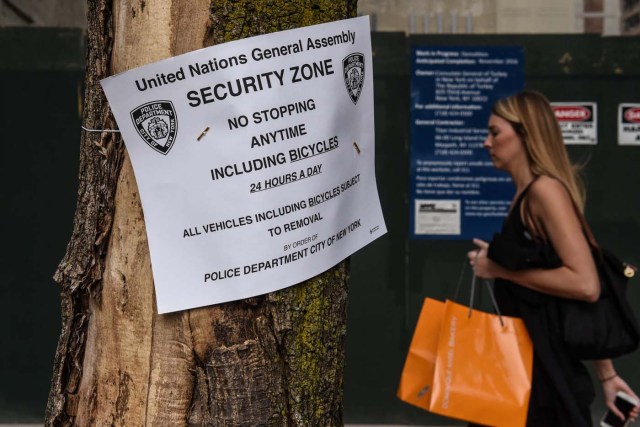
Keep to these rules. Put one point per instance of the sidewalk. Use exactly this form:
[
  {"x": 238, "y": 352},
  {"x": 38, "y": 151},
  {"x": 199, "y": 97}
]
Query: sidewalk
[{"x": 346, "y": 425}]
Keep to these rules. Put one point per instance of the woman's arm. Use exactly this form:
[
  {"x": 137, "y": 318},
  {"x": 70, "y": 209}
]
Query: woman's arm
[
  {"x": 552, "y": 211},
  {"x": 611, "y": 384}
]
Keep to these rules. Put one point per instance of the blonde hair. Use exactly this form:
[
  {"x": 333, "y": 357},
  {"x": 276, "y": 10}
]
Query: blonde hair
[{"x": 532, "y": 117}]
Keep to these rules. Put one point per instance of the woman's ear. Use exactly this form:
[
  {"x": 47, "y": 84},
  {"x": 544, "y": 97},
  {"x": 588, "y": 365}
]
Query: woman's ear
[{"x": 519, "y": 130}]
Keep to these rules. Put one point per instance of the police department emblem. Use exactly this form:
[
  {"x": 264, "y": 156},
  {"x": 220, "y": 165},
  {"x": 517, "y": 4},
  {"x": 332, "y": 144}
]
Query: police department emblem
[
  {"x": 157, "y": 124},
  {"x": 353, "y": 67}
]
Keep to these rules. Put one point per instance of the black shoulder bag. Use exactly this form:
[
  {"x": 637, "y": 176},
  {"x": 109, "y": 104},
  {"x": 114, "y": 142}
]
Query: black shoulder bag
[
  {"x": 606, "y": 328},
  {"x": 603, "y": 329}
]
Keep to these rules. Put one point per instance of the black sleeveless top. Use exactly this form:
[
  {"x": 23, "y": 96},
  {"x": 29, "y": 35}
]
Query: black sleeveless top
[{"x": 562, "y": 390}]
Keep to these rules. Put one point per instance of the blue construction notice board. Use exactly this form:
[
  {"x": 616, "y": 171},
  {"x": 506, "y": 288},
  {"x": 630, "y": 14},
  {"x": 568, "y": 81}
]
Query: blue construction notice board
[{"x": 456, "y": 193}]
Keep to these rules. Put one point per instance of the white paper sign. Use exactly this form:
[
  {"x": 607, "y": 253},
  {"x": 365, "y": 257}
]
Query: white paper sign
[
  {"x": 254, "y": 160},
  {"x": 437, "y": 216},
  {"x": 629, "y": 124},
  {"x": 578, "y": 122}
]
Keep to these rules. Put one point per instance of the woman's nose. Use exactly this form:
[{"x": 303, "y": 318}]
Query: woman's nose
[{"x": 487, "y": 142}]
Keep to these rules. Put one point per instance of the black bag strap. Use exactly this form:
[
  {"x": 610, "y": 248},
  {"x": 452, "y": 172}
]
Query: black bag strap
[{"x": 627, "y": 269}]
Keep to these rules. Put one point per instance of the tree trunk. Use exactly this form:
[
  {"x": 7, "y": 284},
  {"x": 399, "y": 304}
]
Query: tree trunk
[{"x": 271, "y": 360}]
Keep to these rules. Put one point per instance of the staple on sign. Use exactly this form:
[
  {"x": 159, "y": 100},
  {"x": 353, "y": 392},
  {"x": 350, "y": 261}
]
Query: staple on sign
[
  {"x": 99, "y": 130},
  {"x": 204, "y": 132}
]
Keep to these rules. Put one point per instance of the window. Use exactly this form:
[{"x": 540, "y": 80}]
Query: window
[{"x": 632, "y": 22}]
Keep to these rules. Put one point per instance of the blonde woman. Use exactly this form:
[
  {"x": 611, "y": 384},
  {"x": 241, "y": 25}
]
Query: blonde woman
[{"x": 542, "y": 254}]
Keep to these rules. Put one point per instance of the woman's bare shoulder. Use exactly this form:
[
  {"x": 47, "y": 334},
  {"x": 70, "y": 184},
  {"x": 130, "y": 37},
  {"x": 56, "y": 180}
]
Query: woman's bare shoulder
[{"x": 548, "y": 195}]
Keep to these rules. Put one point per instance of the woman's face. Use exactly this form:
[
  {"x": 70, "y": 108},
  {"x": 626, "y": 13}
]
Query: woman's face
[{"x": 503, "y": 144}]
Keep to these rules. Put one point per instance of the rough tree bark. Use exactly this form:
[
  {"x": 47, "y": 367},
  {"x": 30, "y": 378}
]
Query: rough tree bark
[{"x": 271, "y": 360}]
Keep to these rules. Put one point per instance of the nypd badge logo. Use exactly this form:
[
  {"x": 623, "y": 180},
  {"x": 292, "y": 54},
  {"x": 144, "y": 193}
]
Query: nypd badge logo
[
  {"x": 353, "y": 68},
  {"x": 157, "y": 124}
]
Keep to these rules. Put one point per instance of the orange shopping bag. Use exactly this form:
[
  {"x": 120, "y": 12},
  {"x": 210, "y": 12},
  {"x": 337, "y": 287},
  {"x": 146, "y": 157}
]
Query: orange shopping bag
[
  {"x": 483, "y": 368},
  {"x": 417, "y": 375}
]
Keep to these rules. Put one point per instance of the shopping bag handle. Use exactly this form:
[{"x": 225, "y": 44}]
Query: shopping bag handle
[{"x": 474, "y": 281}]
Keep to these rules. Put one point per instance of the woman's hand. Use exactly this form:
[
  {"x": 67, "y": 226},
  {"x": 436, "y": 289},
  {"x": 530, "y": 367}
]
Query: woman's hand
[
  {"x": 610, "y": 387},
  {"x": 482, "y": 266}
]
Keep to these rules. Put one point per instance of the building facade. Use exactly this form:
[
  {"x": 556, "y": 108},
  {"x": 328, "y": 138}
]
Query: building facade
[
  {"x": 606, "y": 17},
  {"x": 630, "y": 22},
  {"x": 496, "y": 16}
]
